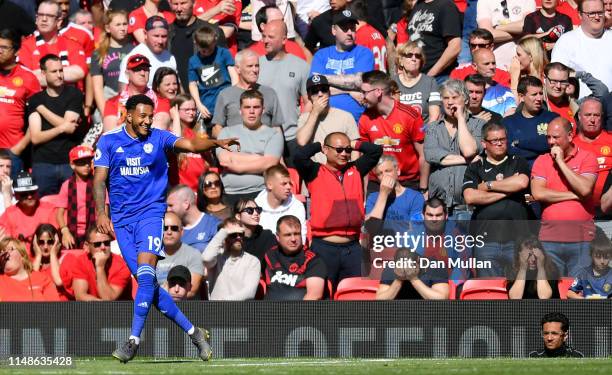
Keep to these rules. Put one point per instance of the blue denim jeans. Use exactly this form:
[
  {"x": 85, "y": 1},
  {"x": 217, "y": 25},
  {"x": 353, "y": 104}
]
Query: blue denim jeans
[
  {"x": 469, "y": 25},
  {"x": 49, "y": 177},
  {"x": 16, "y": 165},
  {"x": 499, "y": 254},
  {"x": 568, "y": 257}
]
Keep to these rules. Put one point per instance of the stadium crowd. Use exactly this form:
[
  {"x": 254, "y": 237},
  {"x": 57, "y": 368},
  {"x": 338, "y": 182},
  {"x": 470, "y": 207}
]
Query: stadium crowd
[{"x": 356, "y": 119}]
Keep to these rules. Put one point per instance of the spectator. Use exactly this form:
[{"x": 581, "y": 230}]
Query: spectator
[
  {"x": 336, "y": 191},
  {"x": 198, "y": 227},
  {"x": 292, "y": 271},
  {"x": 496, "y": 185},
  {"x": 98, "y": 274},
  {"x": 547, "y": 24},
  {"x": 530, "y": 59},
  {"x": 498, "y": 98},
  {"x": 450, "y": 145},
  {"x": 179, "y": 254},
  {"x": 368, "y": 36},
  {"x": 527, "y": 127},
  {"x": 138, "y": 71},
  {"x": 210, "y": 196},
  {"x": 320, "y": 34},
  {"x": 323, "y": 119},
  {"x": 395, "y": 126},
  {"x": 594, "y": 281},
  {"x": 257, "y": 239},
  {"x": 76, "y": 209},
  {"x": 165, "y": 83},
  {"x": 260, "y": 148},
  {"x": 140, "y": 17},
  {"x": 555, "y": 327},
  {"x": 13, "y": 106},
  {"x": 563, "y": 182},
  {"x": 233, "y": 273},
  {"x": 46, "y": 40},
  {"x": 476, "y": 87},
  {"x": 225, "y": 13},
  {"x": 570, "y": 8},
  {"x": 18, "y": 282},
  {"x": 343, "y": 63},
  {"x": 557, "y": 80},
  {"x": 209, "y": 71},
  {"x": 20, "y": 220},
  {"x": 504, "y": 19},
  {"x": 70, "y": 29},
  {"x": 6, "y": 184},
  {"x": 287, "y": 75},
  {"x": 181, "y": 33},
  {"x": 178, "y": 283},
  {"x": 54, "y": 116},
  {"x": 227, "y": 109},
  {"x": 416, "y": 89},
  {"x": 285, "y": 8},
  {"x": 533, "y": 275},
  {"x": 608, "y": 13},
  {"x": 14, "y": 17},
  {"x": 584, "y": 48},
  {"x": 106, "y": 59},
  {"x": 276, "y": 200},
  {"x": 480, "y": 38}
]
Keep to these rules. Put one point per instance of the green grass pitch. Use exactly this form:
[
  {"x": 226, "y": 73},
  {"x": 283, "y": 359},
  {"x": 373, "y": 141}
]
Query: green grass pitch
[{"x": 311, "y": 366}]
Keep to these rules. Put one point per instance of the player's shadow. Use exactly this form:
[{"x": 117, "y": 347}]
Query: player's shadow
[{"x": 170, "y": 361}]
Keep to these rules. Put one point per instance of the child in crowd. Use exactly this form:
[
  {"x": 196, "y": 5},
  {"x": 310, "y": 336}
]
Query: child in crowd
[{"x": 595, "y": 281}]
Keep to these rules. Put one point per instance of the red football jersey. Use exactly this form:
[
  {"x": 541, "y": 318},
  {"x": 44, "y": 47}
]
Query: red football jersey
[
  {"x": 602, "y": 148},
  {"x": 397, "y": 134},
  {"x": 370, "y": 38},
  {"x": 138, "y": 19},
  {"x": 82, "y": 36},
  {"x": 15, "y": 89}
]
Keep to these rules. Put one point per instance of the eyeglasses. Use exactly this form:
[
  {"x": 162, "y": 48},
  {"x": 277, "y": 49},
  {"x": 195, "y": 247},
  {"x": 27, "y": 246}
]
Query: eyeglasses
[
  {"x": 5, "y": 48},
  {"x": 46, "y": 15},
  {"x": 563, "y": 82},
  {"x": 479, "y": 45},
  {"x": 366, "y": 92},
  {"x": 497, "y": 141},
  {"x": 251, "y": 210},
  {"x": 234, "y": 236},
  {"x": 318, "y": 89},
  {"x": 45, "y": 242},
  {"x": 100, "y": 243},
  {"x": 174, "y": 228},
  {"x": 25, "y": 194},
  {"x": 211, "y": 184},
  {"x": 593, "y": 15},
  {"x": 410, "y": 55},
  {"x": 505, "y": 11},
  {"x": 340, "y": 150}
]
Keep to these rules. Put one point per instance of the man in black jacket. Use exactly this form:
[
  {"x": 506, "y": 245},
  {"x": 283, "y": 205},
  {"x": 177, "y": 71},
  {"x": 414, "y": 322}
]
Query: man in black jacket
[{"x": 555, "y": 333}]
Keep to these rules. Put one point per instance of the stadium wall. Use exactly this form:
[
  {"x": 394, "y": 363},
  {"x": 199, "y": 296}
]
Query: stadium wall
[{"x": 435, "y": 329}]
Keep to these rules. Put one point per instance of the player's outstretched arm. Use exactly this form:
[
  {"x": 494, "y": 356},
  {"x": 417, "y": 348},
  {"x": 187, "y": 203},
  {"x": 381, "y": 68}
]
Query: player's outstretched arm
[
  {"x": 99, "y": 191},
  {"x": 197, "y": 144}
]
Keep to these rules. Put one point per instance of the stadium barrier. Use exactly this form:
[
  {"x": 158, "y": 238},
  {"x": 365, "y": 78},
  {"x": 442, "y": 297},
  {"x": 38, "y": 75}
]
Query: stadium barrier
[{"x": 423, "y": 329}]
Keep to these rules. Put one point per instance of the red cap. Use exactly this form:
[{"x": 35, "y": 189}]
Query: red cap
[
  {"x": 136, "y": 61},
  {"x": 80, "y": 152}
]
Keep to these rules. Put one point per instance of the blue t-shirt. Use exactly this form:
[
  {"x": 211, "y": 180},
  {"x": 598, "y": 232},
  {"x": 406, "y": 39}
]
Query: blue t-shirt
[
  {"x": 199, "y": 235},
  {"x": 499, "y": 99},
  {"x": 137, "y": 173},
  {"x": 589, "y": 284},
  {"x": 331, "y": 61},
  {"x": 399, "y": 211},
  {"x": 211, "y": 74},
  {"x": 527, "y": 136}
]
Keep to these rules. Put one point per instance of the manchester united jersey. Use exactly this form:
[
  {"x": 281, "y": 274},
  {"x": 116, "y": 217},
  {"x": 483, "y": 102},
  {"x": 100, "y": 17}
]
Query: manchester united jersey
[{"x": 15, "y": 89}]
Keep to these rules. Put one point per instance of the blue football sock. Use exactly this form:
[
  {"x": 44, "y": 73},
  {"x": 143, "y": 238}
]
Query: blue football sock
[
  {"x": 165, "y": 304},
  {"x": 144, "y": 297}
]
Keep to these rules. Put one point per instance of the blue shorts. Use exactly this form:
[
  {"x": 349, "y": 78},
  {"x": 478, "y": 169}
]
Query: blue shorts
[{"x": 145, "y": 235}]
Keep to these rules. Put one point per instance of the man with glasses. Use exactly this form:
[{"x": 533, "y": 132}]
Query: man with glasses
[
  {"x": 555, "y": 333},
  {"x": 496, "y": 185},
  {"x": 323, "y": 119},
  {"x": 587, "y": 47},
  {"x": 337, "y": 196},
  {"x": 98, "y": 274},
  {"x": 179, "y": 253}
]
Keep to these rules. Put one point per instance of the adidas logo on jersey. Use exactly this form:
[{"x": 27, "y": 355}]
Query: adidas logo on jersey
[
  {"x": 143, "y": 304},
  {"x": 120, "y": 149},
  {"x": 281, "y": 278}
]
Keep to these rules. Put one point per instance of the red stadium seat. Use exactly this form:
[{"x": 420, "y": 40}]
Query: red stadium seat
[
  {"x": 482, "y": 289},
  {"x": 356, "y": 289},
  {"x": 296, "y": 181},
  {"x": 564, "y": 285}
]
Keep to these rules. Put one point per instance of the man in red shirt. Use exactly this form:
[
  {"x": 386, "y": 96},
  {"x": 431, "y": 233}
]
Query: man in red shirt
[
  {"x": 17, "y": 85},
  {"x": 556, "y": 82},
  {"x": 98, "y": 274},
  {"x": 562, "y": 181},
  {"x": 71, "y": 30},
  {"x": 272, "y": 13},
  {"x": 592, "y": 137},
  {"x": 46, "y": 40},
  {"x": 395, "y": 126},
  {"x": 368, "y": 36}
]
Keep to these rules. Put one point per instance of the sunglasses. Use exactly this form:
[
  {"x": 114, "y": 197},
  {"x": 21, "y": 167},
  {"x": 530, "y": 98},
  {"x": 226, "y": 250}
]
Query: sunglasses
[
  {"x": 45, "y": 242},
  {"x": 412, "y": 54},
  {"x": 479, "y": 45},
  {"x": 251, "y": 210},
  {"x": 25, "y": 194},
  {"x": 82, "y": 162},
  {"x": 174, "y": 228},
  {"x": 234, "y": 236},
  {"x": 347, "y": 26},
  {"x": 210, "y": 184},
  {"x": 340, "y": 150},
  {"x": 99, "y": 243}
]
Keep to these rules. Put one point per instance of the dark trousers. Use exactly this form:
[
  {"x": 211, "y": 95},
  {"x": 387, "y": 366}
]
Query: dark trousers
[
  {"x": 341, "y": 260},
  {"x": 49, "y": 177}
]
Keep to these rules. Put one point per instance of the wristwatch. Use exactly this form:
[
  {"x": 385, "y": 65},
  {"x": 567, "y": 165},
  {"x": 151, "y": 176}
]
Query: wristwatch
[{"x": 489, "y": 185}]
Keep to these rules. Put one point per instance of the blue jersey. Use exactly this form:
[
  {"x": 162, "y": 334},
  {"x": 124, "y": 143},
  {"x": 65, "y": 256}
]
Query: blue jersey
[
  {"x": 137, "y": 173},
  {"x": 589, "y": 284},
  {"x": 527, "y": 136},
  {"x": 399, "y": 211},
  {"x": 499, "y": 99},
  {"x": 199, "y": 234}
]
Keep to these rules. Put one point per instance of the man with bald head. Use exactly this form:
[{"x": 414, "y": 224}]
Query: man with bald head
[
  {"x": 287, "y": 75},
  {"x": 498, "y": 98},
  {"x": 266, "y": 15},
  {"x": 337, "y": 196},
  {"x": 563, "y": 181}
]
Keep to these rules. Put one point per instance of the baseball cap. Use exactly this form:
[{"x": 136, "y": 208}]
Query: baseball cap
[
  {"x": 24, "y": 182},
  {"x": 345, "y": 16},
  {"x": 137, "y": 61},
  {"x": 316, "y": 80},
  {"x": 179, "y": 274},
  {"x": 155, "y": 22},
  {"x": 80, "y": 152}
]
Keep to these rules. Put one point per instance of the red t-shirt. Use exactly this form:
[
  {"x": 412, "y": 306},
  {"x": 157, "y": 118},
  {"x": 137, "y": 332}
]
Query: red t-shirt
[
  {"x": 402, "y": 34},
  {"x": 37, "y": 288},
  {"x": 565, "y": 112},
  {"x": 370, "y": 38},
  {"x": 82, "y": 36},
  {"x": 502, "y": 77},
  {"x": 602, "y": 148},
  {"x": 138, "y": 19},
  {"x": 117, "y": 273},
  {"x": 565, "y": 8},
  {"x": 61, "y": 201},
  {"x": 66, "y": 262},
  {"x": 115, "y": 106},
  {"x": 461, "y": 5},
  {"x": 15, "y": 89},
  {"x": 291, "y": 48},
  {"x": 16, "y": 223},
  {"x": 202, "y": 6},
  {"x": 396, "y": 134},
  {"x": 192, "y": 166},
  {"x": 578, "y": 215}
]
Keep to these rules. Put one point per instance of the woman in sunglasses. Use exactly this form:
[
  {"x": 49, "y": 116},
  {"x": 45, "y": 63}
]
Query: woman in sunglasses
[
  {"x": 210, "y": 196},
  {"x": 416, "y": 89},
  {"x": 48, "y": 257},
  {"x": 257, "y": 240}
]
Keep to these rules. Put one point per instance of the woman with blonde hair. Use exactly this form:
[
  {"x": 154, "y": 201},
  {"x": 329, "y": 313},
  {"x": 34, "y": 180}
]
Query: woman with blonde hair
[
  {"x": 18, "y": 282},
  {"x": 530, "y": 59}
]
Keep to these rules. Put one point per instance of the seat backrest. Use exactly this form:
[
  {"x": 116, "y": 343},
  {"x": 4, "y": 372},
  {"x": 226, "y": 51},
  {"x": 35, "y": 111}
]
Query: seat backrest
[
  {"x": 482, "y": 289},
  {"x": 356, "y": 288},
  {"x": 564, "y": 285}
]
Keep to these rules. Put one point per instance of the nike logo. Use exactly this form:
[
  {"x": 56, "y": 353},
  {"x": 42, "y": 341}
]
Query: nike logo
[{"x": 488, "y": 170}]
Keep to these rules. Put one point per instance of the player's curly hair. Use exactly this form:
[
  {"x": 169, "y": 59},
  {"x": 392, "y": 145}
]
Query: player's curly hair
[{"x": 135, "y": 100}]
